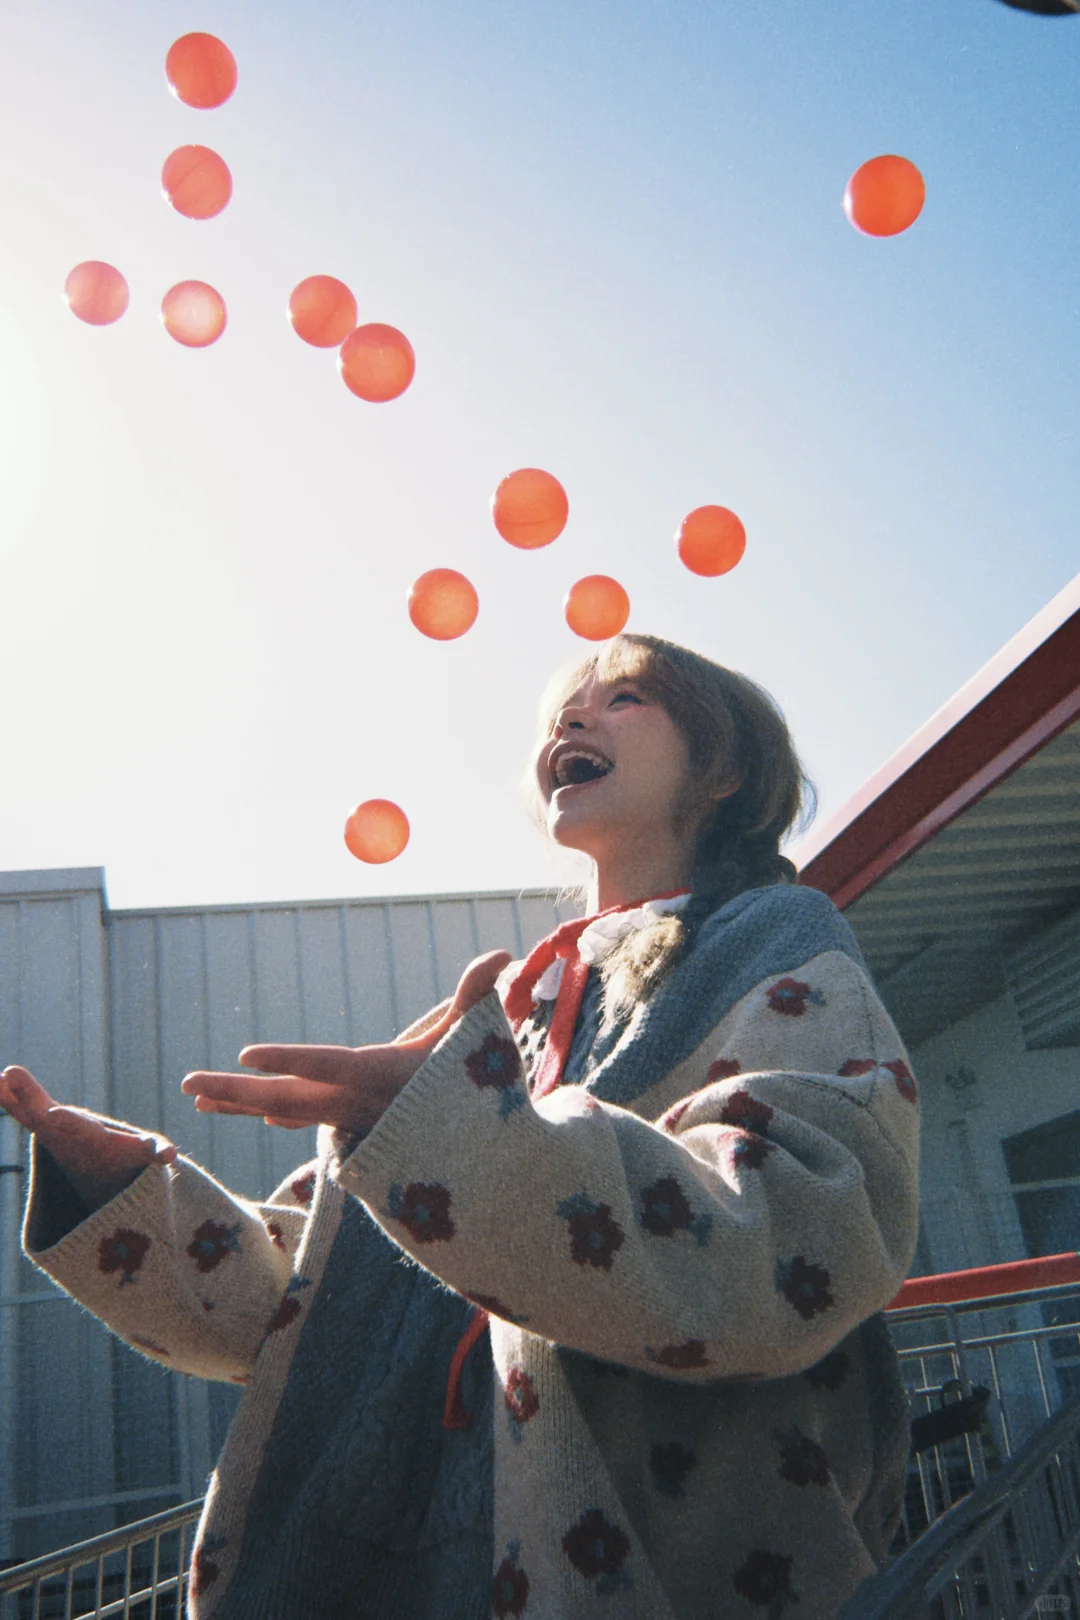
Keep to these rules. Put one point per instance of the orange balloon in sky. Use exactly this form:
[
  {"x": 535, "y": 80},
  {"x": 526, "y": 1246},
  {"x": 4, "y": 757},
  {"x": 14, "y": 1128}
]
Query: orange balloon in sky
[
  {"x": 885, "y": 196},
  {"x": 377, "y": 831},
  {"x": 530, "y": 508},
  {"x": 96, "y": 292},
  {"x": 711, "y": 540},
  {"x": 201, "y": 70},
  {"x": 193, "y": 313},
  {"x": 322, "y": 311},
  {"x": 443, "y": 604},
  {"x": 596, "y": 607},
  {"x": 377, "y": 362},
  {"x": 196, "y": 182}
]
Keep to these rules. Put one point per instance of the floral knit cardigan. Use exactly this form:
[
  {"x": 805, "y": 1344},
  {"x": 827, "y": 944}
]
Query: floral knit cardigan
[{"x": 696, "y": 1410}]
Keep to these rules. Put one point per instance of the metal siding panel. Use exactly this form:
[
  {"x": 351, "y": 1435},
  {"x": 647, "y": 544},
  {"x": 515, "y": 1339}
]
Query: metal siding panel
[
  {"x": 412, "y": 957},
  {"x": 498, "y": 926},
  {"x": 183, "y": 1032},
  {"x": 49, "y": 992},
  {"x": 145, "y": 1421},
  {"x": 278, "y": 1003},
  {"x": 454, "y": 930},
  {"x": 242, "y": 1155},
  {"x": 65, "y": 1445},
  {"x": 136, "y": 1081},
  {"x": 280, "y": 1016},
  {"x": 326, "y": 1002},
  {"x": 93, "y": 993},
  {"x": 538, "y": 919},
  {"x": 371, "y": 984}
]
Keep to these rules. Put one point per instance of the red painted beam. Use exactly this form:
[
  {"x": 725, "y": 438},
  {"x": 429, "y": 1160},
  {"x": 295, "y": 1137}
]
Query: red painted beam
[
  {"x": 1015, "y": 1277},
  {"x": 999, "y": 719}
]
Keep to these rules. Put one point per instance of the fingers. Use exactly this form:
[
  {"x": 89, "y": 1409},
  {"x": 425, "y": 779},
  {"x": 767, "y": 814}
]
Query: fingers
[
  {"x": 328, "y": 1065},
  {"x": 478, "y": 981},
  {"x": 290, "y": 1097},
  {"x": 23, "y": 1097}
]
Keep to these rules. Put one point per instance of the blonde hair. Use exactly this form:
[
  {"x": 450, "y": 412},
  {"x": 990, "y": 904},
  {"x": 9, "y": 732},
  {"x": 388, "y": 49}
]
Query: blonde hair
[{"x": 739, "y": 745}]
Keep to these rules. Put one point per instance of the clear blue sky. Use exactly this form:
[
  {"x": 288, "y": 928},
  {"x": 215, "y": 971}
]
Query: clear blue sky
[{"x": 613, "y": 232}]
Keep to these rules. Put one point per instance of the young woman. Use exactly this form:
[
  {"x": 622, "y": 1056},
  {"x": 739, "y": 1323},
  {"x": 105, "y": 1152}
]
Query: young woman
[{"x": 659, "y": 1180}]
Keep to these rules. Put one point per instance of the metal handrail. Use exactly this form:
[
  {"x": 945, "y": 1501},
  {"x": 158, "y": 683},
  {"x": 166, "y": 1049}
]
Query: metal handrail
[
  {"x": 98, "y": 1547},
  {"x": 901, "y": 1591}
]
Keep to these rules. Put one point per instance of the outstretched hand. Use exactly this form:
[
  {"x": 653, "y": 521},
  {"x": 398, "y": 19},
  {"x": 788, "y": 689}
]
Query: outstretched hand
[
  {"x": 345, "y": 1086},
  {"x": 100, "y": 1157}
]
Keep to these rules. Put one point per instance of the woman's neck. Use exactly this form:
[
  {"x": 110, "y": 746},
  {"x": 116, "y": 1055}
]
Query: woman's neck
[{"x": 621, "y": 883}]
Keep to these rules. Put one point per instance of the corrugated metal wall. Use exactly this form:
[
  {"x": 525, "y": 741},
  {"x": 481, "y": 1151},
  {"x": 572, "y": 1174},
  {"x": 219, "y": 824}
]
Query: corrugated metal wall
[{"x": 111, "y": 1009}]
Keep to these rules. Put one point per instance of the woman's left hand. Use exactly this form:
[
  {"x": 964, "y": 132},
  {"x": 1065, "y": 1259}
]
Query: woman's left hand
[{"x": 345, "y": 1086}]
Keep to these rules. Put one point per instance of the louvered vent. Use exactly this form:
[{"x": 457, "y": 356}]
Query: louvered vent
[{"x": 1044, "y": 978}]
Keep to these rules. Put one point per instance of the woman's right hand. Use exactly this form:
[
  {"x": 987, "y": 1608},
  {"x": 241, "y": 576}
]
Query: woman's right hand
[{"x": 100, "y": 1157}]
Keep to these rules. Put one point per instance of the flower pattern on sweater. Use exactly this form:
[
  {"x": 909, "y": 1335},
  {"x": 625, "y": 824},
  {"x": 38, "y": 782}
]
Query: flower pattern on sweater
[
  {"x": 495, "y": 1307},
  {"x": 204, "y": 1572},
  {"x": 765, "y": 1581},
  {"x": 669, "y": 1464},
  {"x": 124, "y": 1252},
  {"x": 521, "y": 1400},
  {"x": 510, "y": 1588},
  {"x": 689, "y": 1354},
  {"x": 747, "y": 1151},
  {"x": 804, "y": 1285},
  {"x": 211, "y": 1243},
  {"x": 790, "y": 997},
  {"x": 828, "y": 1373},
  {"x": 303, "y": 1188},
  {"x": 802, "y": 1460},
  {"x": 746, "y": 1112},
  {"x": 423, "y": 1208},
  {"x": 595, "y": 1235},
  {"x": 495, "y": 1063},
  {"x": 289, "y": 1308},
  {"x": 667, "y": 1210},
  {"x": 905, "y": 1080},
  {"x": 597, "y": 1549}
]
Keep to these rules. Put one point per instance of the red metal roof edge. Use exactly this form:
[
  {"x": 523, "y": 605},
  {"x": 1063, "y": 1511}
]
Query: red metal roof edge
[{"x": 1022, "y": 697}]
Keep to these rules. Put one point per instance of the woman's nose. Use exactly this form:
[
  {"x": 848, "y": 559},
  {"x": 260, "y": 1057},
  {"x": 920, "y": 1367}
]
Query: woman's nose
[{"x": 574, "y": 717}]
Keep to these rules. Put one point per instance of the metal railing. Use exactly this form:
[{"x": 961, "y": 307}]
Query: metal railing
[
  {"x": 991, "y": 1519},
  {"x": 138, "y": 1572}
]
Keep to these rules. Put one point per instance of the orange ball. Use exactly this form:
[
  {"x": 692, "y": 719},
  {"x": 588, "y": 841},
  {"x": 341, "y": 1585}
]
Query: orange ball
[
  {"x": 377, "y": 831},
  {"x": 711, "y": 540},
  {"x": 96, "y": 293},
  {"x": 322, "y": 311},
  {"x": 196, "y": 182},
  {"x": 193, "y": 313},
  {"x": 443, "y": 604},
  {"x": 377, "y": 362},
  {"x": 596, "y": 607},
  {"x": 201, "y": 70},
  {"x": 884, "y": 196},
  {"x": 530, "y": 508}
]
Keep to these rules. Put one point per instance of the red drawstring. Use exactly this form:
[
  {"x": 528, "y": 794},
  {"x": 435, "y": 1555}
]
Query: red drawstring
[
  {"x": 560, "y": 1035},
  {"x": 454, "y": 1413}
]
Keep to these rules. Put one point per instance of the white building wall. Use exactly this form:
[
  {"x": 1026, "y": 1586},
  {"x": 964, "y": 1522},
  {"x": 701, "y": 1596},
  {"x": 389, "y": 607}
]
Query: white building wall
[{"x": 969, "y": 1215}]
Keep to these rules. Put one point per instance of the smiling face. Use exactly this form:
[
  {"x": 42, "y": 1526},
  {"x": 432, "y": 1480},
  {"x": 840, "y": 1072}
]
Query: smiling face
[{"x": 613, "y": 776}]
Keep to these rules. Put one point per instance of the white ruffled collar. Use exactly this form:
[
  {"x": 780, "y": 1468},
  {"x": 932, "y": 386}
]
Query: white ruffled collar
[{"x": 602, "y": 935}]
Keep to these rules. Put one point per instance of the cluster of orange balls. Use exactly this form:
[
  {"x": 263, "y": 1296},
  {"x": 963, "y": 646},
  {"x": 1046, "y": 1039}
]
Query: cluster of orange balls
[{"x": 377, "y": 363}]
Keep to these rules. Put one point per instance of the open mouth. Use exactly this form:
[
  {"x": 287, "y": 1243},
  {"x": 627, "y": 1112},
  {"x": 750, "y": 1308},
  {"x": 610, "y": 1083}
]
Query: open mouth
[{"x": 579, "y": 765}]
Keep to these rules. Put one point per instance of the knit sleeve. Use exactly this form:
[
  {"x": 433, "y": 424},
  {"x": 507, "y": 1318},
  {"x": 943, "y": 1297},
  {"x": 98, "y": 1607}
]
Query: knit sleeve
[
  {"x": 176, "y": 1265},
  {"x": 754, "y": 1205}
]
